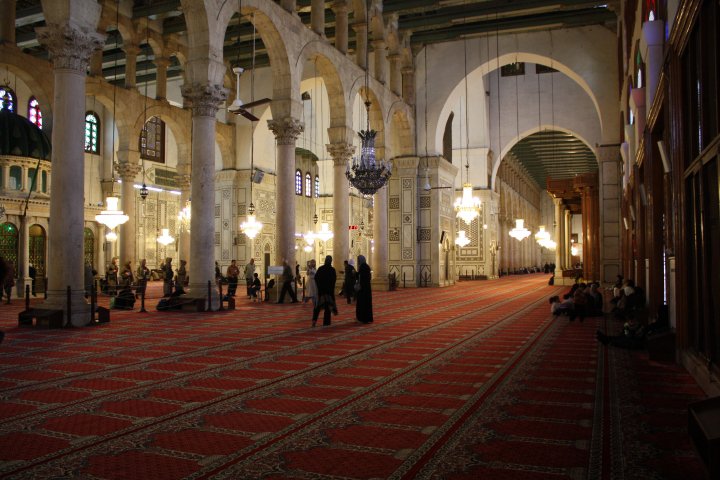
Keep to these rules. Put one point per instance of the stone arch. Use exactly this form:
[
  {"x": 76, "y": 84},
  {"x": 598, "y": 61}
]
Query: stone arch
[
  {"x": 545, "y": 127},
  {"x": 401, "y": 130},
  {"x": 267, "y": 18},
  {"x": 170, "y": 115},
  {"x": 339, "y": 113}
]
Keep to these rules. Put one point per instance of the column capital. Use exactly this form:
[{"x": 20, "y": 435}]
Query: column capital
[
  {"x": 378, "y": 43},
  {"x": 359, "y": 26},
  {"x": 70, "y": 47},
  {"x": 127, "y": 171},
  {"x": 340, "y": 153},
  {"x": 162, "y": 62},
  {"x": 131, "y": 49},
  {"x": 183, "y": 181},
  {"x": 204, "y": 99},
  {"x": 340, "y": 6},
  {"x": 286, "y": 130}
]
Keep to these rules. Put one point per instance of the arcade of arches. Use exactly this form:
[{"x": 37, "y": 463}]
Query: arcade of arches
[{"x": 605, "y": 134}]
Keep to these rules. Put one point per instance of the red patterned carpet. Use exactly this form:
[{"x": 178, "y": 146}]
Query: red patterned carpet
[{"x": 473, "y": 381}]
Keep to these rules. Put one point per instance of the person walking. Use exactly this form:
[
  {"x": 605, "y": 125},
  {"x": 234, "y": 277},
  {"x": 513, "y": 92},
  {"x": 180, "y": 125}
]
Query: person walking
[
  {"x": 249, "y": 275},
  {"x": 233, "y": 273},
  {"x": 325, "y": 279},
  {"x": 363, "y": 303},
  {"x": 287, "y": 278}
]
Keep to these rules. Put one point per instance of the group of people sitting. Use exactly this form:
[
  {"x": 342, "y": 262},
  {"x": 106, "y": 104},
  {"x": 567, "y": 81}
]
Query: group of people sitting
[{"x": 583, "y": 300}]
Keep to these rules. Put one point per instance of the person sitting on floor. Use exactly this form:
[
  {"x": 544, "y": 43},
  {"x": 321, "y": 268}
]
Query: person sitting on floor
[
  {"x": 173, "y": 302},
  {"x": 561, "y": 308},
  {"x": 125, "y": 299}
]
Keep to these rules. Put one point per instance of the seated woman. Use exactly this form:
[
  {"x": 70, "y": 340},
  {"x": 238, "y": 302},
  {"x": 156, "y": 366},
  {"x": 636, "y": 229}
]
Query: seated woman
[
  {"x": 125, "y": 299},
  {"x": 172, "y": 302},
  {"x": 255, "y": 286}
]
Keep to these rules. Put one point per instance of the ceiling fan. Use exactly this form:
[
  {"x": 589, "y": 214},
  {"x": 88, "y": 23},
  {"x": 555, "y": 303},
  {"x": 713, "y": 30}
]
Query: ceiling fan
[{"x": 238, "y": 107}]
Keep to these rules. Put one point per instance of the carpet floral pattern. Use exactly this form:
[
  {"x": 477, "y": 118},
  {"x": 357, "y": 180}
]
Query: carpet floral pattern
[{"x": 472, "y": 381}]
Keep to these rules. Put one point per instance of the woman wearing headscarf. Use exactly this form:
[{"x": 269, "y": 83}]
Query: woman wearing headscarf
[{"x": 363, "y": 302}]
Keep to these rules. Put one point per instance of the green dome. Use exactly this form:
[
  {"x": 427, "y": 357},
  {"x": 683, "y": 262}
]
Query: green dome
[{"x": 20, "y": 137}]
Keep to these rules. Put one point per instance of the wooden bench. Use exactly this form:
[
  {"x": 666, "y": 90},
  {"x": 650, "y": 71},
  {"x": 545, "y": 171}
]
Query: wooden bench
[{"x": 41, "y": 317}]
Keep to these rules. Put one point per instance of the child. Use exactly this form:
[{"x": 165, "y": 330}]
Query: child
[{"x": 560, "y": 308}]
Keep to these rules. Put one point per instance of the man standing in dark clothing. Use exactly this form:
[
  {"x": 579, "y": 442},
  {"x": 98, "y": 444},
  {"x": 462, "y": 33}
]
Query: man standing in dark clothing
[
  {"x": 325, "y": 278},
  {"x": 287, "y": 278},
  {"x": 32, "y": 273},
  {"x": 233, "y": 273}
]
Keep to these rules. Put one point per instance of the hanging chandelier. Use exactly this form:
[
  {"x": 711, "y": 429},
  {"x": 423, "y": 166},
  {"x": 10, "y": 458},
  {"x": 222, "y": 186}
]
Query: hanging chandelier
[
  {"x": 309, "y": 238},
  {"x": 366, "y": 174},
  {"x": 184, "y": 217},
  {"x": 467, "y": 207},
  {"x": 325, "y": 233},
  {"x": 549, "y": 244},
  {"x": 251, "y": 227},
  {"x": 462, "y": 240},
  {"x": 165, "y": 238},
  {"x": 111, "y": 236},
  {"x": 113, "y": 216},
  {"x": 542, "y": 236},
  {"x": 519, "y": 232}
]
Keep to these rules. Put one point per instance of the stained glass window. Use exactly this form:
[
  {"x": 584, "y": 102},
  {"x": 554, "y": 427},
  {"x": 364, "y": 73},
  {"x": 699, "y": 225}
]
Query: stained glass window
[
  {"x": 317, "y": 186},
  {"x": 34, "y": 113},
  {"x": 8, "y": 100},
  {"x": 92, "y": 125},
  {"x": 9, "y": 243},
  {"x": 308, "y": 185},
  {"x": 298, "y": 182},
  {"x": 152, "y": 140}
]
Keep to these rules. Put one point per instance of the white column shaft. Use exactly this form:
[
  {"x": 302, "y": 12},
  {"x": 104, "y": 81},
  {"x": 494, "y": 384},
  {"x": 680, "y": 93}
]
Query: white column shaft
[
  {"x": 317, "y": 16},
  {"x": 380, "y": 228},
  {"x": 128, "y": 238},
  {"x": 341, "y": 214},
  {"x": 341, "y": 27},
  {"x": 285, "y": 204}
]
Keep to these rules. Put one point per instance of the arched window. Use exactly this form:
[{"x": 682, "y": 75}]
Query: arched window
[
  {"x": 34, "y": 113},
  {"x": 308, "y": 185},
  {"x": 9, "y": 243},
  {"x": 298, "y": 182},
  {"x": 317, "y": 186},
  {"x": 92, "y": 126},
  {"x": 152, "y": 140},
  {"x": 8, "y": 101}
]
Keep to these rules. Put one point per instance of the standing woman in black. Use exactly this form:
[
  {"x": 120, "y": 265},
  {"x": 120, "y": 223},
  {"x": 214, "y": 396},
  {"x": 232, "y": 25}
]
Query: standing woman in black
[{"x": 363, "y": 302}]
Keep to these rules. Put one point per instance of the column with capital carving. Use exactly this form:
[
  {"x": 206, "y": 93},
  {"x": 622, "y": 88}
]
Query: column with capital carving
[
  {"x": 70, "y": 47},
  {"x": 131, "y": 53},
  {"x": 286, "y": 131},
  {"x": 162, "y": 65},
  {"x": 7, "y": 22},
  {"x": 127, "y": 168},
  {"x": 361, "y": 45},
  {"x": 380, "y": 54},
  {"x": 204, "y": 100},
  {"x": 341, "y": 25},
  {"x": 341, "y": 154}
]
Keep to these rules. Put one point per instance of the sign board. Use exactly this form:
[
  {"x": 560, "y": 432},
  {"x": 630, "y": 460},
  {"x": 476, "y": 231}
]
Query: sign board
[{"x": 275, "y": 270}]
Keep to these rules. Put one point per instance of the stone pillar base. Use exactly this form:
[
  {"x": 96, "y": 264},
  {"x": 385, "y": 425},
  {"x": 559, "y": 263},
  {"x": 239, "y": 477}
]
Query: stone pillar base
[
  {"x": 20, "y": 287},
  {"x": 80, "y": 315},
  {"x": 195, "y": 290},
  {"x": 380, "y": 284}
]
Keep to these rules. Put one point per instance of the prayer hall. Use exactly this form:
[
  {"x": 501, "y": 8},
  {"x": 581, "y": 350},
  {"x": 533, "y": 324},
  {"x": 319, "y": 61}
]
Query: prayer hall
[{"x": 359, "y": 239}]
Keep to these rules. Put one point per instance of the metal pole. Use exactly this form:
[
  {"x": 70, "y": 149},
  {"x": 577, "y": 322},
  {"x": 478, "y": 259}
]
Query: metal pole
[
  {"x": 209, "y": 308},
  {"x": 27, "y": 297},
  {"x": 221, "y": 295},
  {"x": 92, "y": 303},
  {"x": 142, "y": 299},
  {"x": 69, "y": 306}
]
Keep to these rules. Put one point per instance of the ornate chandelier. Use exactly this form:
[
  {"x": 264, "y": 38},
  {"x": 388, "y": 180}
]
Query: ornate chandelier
[
  {"x": 165, "y": 238},
  {"x": 519, "y": 232},
  {"x": 309, "y": 238},
  {"x": 111, "y": 236},
  {"x": 467, "y": 207},
  {"x": 365, "y": 173},
  {"x": 251, "y": 227},
  {"x": 113, "y": 216},
  {"x": 325, "y": 233},
  {"x": 542, "y": 236},
  {"x": 462, "y": 240}
]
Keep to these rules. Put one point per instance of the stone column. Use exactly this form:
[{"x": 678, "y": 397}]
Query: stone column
[
  {"x": 610, "y": 225},
  {"x": 286, "y": 132},
  {"x": 587, "y": 185},
  {"x": 204, "y": 101},
  {"x": 70, "y": 49},
  {"x": 408, "y": 85},
  {"x": 7, "y": 21},
  {"x": 131, "y": 53},
  {"x": 361, "y": 44},
  {"x": 100, "y": 253},
  {"x": 395, "y": 74},
  {"x": 341, "y": 25},
  {"x": 559, "y": 248},
  {"x": 317, "y": 16},
  {"x": 568, "y": 239},
  {"x": 184, "y": 182},
  {"x": 128, "y": 168},
  {"x": 161, "y": 79},
  {"x": 379, "y": 53},
  {"x": 380, "y": 236},
  {"x": 341, "y": 154}
]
